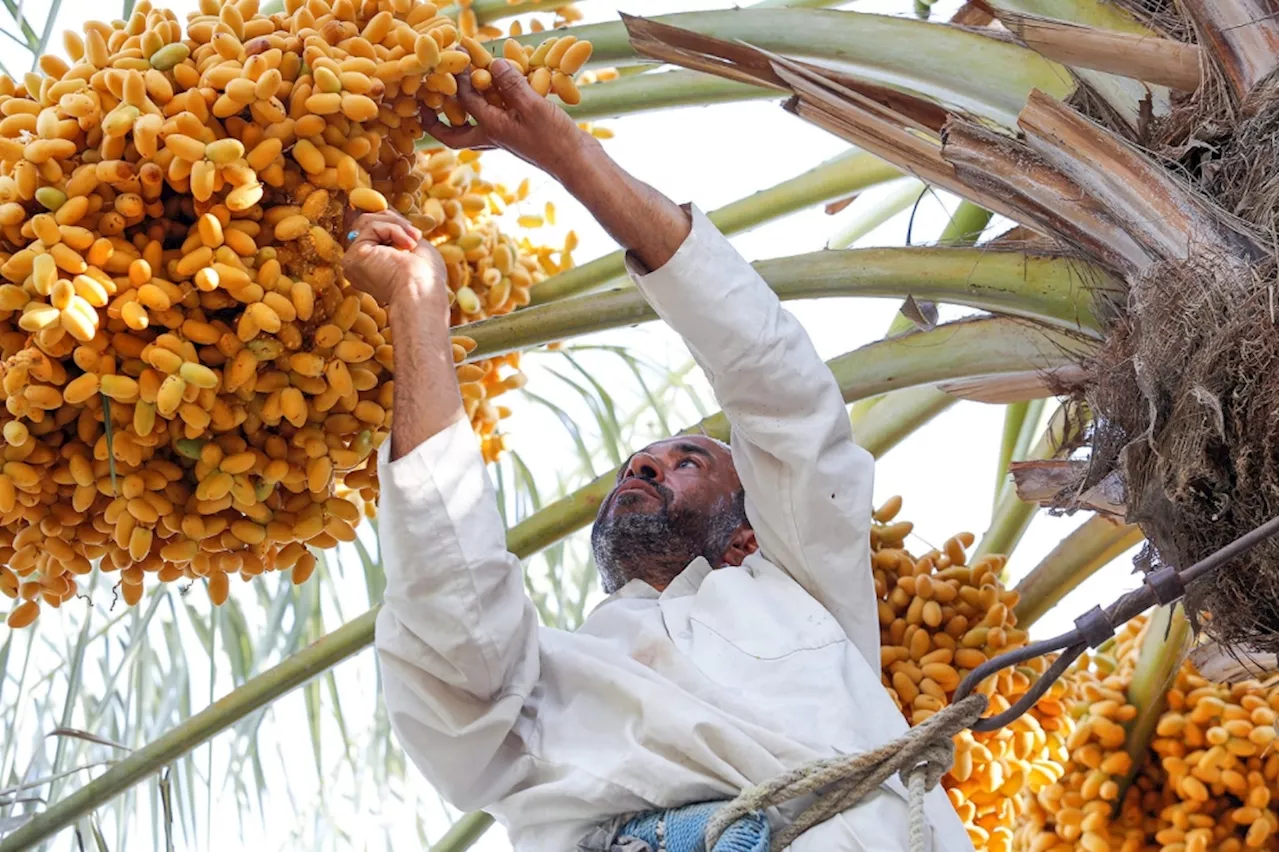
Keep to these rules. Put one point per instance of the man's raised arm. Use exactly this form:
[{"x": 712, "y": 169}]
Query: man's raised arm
[
  {"x": 457, "y": 637},
  {"x": 645, "y": 221},
  {"x": 808, "y": 484}
]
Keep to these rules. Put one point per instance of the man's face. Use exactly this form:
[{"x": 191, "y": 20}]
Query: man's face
[{"x": 675, "y": 500}]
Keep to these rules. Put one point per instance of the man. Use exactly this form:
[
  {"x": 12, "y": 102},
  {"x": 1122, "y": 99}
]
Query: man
[{"x": 740, "y": 638}]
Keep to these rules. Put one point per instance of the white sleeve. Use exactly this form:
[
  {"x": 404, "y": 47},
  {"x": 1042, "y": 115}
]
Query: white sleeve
[
  {"x": 457, "y": 639},
  {"x": 808, "y": 485}
]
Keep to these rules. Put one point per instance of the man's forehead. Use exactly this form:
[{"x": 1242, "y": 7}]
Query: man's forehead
[{"x": 697, "y": 444}]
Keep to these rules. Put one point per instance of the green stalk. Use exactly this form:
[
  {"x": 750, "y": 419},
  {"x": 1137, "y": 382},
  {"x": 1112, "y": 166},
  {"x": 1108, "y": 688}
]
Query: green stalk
[
  {"x": 1028, "y": 428},
  {"x": 1015, "y": 415},
  {"x": 74, "y": 681},
  {"x": 962, "y": 230},
  {"x": 909, "y": 410},
  {"x": 1164, "y": 647},
  {"x": 139, "y": 765},
  {"x": 895, "y": 417},
  {"x": 655, "y": 90},
  {"x": 1030, "y": 425},
  {"x": 1077, "y": 557},
  {"x": 1008, "y": 523},
  {"x": 29, "y": 34},
  {"x": 1099, "y": 14},
  {"x": 887, "y": 50},
  {"x": 488, "y": 11},
  {"x": 849, "y": 172},
  {"x": 867, "y": 218},
  {"x": 966, "y": 225},
  {"x": 968, "y": 348},
  {"x": 469, "y": 828},
  {"x": 798, "y": 4},
  {"x": 42, "y": 47},
  {"x": 1043, "y": 289},
  {"x": 1012, "y": 516},
  {"x": 900, "y": 324}
]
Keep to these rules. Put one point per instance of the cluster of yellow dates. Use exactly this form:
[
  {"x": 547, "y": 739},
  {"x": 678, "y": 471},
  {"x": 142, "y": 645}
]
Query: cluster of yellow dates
[
  {"x": 1207, "y": 782},
  {"x": 1052, "y": 780},
  {"x": 940, "y": 618},
  {"x": 191, "y": 390}
]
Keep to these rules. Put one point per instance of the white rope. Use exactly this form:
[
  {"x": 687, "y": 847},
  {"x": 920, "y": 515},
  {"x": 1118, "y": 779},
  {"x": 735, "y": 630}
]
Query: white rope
[
  {"x": 921, "y": 757},
  {"x": 915, "y": 810}
]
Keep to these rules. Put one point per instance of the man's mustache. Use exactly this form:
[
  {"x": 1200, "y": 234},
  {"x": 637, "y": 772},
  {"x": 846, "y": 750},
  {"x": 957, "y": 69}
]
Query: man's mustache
[{"x": 664, "y": 493}]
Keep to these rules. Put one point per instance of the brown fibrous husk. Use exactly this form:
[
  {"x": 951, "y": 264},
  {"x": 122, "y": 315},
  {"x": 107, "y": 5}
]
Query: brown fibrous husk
[
  {"x": 1184, "y": 400},
  {"x": 1184, "y": 395},
  {"x": 1242, "y": 179}
]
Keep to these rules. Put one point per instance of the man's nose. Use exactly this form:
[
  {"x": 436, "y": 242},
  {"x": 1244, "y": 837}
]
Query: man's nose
[{"x": 645, "y": 466}]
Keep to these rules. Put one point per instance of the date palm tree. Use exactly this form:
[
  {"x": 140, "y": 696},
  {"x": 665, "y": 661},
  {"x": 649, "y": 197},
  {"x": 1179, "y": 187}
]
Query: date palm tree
[{"x": 1131, "y": 143}]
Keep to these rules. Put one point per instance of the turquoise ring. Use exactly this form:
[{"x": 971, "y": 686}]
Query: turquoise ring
[{"x": 351, "y": 236}]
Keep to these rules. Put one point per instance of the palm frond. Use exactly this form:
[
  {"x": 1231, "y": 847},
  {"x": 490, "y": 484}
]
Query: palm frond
[{"x": 42, "y": 46}]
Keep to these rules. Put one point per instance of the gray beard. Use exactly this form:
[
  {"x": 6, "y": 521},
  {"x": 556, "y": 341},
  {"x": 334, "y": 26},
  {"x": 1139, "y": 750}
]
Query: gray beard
[{"x": 656, "y": 546}]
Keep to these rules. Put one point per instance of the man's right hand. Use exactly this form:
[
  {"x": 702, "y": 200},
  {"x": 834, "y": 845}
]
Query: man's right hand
[
  {"x": 389, "y": 259},
  {"x": 529, "y": 126}
]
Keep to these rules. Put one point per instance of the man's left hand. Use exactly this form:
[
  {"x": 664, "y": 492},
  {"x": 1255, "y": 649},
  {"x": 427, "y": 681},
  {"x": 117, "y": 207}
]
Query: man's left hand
[{"x": 528, "y": 125}]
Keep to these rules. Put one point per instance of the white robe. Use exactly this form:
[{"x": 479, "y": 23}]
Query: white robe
[{"x": 724, "y": 680}]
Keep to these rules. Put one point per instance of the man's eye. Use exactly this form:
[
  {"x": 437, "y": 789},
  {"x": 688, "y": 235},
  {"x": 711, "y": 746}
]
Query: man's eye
[{"x": 689, "y": 462}]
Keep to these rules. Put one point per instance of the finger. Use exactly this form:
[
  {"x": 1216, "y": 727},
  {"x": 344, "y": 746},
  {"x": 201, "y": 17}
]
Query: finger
[
  {"x": 511, "y": 84},
  {"x": 352, "y": 222},
  {"x": 349, "y": 217},
  {"x": 382, "y": 232},
  {"x": 377, "y": 233},
  {"x": 473, "y": 102},
  {"x": 393, "y": 217},
  {"x": 469, "y": 136},
  {"x": 396, "y": 218}
]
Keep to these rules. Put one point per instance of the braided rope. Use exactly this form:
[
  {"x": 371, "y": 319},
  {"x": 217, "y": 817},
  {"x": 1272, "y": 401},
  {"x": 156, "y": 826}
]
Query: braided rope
[
  {"x": 921, "y": 757},
  {"x": 915, "y": 810}
]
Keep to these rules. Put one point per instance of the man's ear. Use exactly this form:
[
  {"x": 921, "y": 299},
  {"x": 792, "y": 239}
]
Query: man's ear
[{"x": 742, "y": 545}]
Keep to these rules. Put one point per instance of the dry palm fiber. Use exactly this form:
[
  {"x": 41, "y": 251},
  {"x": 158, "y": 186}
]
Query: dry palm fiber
[{"x": 1184, "y": 395}]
